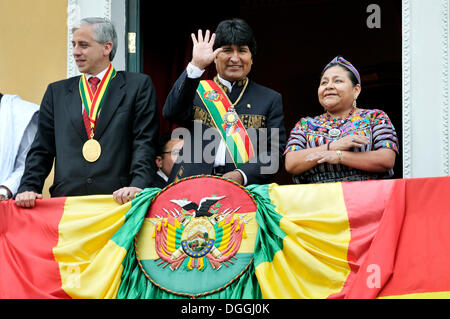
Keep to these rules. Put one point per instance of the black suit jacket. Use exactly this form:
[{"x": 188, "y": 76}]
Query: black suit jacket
[
  {"x": 126, "y": 129},
  {"x": 261, "y": 112},
  {"x": 159, "y": 182}
]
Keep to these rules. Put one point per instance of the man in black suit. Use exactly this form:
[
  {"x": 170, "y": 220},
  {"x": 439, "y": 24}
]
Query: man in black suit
[
  {"x": 100, "y": 128},
  {"x": 217, "y": 138}
]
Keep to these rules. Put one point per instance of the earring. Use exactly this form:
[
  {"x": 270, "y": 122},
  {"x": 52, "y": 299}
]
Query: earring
[{"x": 354, "y": 103}]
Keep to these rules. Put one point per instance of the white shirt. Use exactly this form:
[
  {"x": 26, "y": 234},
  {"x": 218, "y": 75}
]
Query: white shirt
[
  {"x": 161, "y": 173},
  {"x": 100, "y": 77},
  {"x": 194, "y": 72}
]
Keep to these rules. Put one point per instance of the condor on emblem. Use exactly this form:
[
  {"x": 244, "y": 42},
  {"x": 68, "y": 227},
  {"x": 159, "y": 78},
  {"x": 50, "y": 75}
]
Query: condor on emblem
[{"x": 194, "y": 229}]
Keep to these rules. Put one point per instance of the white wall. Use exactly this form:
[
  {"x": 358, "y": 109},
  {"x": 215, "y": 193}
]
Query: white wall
[
  {"x": 118, "y": 18},
  {"x": 425, "y": 88}
]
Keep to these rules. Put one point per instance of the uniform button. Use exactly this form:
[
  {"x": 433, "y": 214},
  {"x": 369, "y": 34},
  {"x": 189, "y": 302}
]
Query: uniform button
[{"x": 89, "y": 180}]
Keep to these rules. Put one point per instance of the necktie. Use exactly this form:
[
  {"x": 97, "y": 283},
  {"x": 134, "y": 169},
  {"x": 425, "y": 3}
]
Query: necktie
[{"x": 93, "y": 82}]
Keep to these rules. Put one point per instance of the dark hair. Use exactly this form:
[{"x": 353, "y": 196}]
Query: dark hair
[
  {"x": 235, "y": 31},
  {"x": 162, "y": 142},
  {"x": 351, "y": 75}
]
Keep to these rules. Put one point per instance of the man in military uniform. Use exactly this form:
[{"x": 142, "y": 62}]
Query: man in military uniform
[{"x": 236, "y": 127}]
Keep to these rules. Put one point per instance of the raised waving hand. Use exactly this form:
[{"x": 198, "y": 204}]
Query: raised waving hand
[{"x": 202, "y": 52}]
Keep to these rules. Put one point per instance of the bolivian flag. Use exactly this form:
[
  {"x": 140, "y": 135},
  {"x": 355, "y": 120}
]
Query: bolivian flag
[
  {"x": 374, "y": 239},
  {"x": 67, "y": 247}
]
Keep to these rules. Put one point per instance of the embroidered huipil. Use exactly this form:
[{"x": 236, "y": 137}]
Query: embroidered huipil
[{"x": 312, "y": 132}]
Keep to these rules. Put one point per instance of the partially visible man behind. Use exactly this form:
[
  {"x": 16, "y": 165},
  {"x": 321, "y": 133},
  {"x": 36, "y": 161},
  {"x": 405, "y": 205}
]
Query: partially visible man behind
[
  {"x": 168, "y": 151},
  {"x": 236, "y": 127},
  {"x": 18, "y": 125},
  {"x": 100, "y": 127}
]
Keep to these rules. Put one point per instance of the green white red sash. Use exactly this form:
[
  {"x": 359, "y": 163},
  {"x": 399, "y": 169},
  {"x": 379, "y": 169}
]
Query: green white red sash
[
  {"x": 93, "y": 102},
  {"x": 235, "y": 136}
]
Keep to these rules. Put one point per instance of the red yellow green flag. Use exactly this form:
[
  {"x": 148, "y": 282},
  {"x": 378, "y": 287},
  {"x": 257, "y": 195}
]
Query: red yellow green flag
[
  {"x": 374, "y": 239},
  {"x": 233, "y": 133}
]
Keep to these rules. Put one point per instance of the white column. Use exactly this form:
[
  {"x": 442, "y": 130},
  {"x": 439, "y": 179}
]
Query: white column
[
  {"x": 425, "y": 88},
  {"x": 118, "y": 17}
]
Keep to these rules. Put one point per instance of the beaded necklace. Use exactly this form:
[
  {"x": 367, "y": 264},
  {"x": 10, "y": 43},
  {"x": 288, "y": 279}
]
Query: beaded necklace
[{"x": 335, "y": 131}]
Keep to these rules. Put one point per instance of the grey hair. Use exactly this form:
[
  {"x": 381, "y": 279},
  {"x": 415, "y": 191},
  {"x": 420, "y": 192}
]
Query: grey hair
[{"x": 104, "y": 31}]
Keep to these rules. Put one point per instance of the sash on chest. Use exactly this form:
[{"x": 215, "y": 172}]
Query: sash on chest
[{"x": 227, "y": 121}]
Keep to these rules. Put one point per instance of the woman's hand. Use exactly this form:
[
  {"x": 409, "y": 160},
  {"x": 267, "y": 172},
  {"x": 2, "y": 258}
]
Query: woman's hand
[
  {"x": 343, "y": 144},
  {"x": 347, "y": 142},
  {"x": 380, "y": 160},
  {"x": 331, "y": 157}
]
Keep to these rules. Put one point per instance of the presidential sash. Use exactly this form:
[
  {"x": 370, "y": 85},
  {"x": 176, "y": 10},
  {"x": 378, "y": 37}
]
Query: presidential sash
[
  {"x": 226, "y": 121},
  {"x": 93, "y": 103}
]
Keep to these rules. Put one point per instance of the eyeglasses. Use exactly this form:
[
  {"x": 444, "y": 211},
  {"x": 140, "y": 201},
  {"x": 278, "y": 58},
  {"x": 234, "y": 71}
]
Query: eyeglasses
[{"x": 173, "y": 152}]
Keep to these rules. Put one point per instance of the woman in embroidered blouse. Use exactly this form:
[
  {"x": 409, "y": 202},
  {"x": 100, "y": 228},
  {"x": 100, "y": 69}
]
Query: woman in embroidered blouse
[{"x": 346, "y": 143}]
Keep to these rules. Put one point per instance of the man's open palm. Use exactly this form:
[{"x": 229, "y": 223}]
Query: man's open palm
[{"x": 202, "y": 52}]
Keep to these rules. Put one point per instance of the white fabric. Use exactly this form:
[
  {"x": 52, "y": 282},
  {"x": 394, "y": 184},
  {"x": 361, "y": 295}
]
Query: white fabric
[
  {"x": 194, "y": 72},
  {"x": 100, "y": 75},
  {"x": 161, "y": 173},
  {"x": 226, "y": 83},
  {"x": 18, "y": 126}
]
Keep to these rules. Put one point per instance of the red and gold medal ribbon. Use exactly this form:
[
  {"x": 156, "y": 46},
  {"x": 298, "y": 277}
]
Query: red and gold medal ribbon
[{"x": 93, "y": 102}]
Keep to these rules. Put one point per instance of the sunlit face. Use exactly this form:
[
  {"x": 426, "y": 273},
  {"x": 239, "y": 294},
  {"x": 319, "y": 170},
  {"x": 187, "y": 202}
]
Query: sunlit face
[
  {"x": 90, "y": 56},
  {"x": 170, "y": 155},
  {"x": 336, "y": 91},
  {"x": 234, "y": 62}
]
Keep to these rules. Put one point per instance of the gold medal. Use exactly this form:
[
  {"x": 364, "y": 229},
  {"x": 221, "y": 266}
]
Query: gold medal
[
  {"x": 91, "y": 150},
  {"x": 93, "y": 102}
]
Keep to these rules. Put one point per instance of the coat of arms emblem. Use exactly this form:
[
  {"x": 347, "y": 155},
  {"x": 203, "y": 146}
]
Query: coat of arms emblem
[
  {"x": 199, "y": 226},
  {"x": 213, "y": 95}
]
